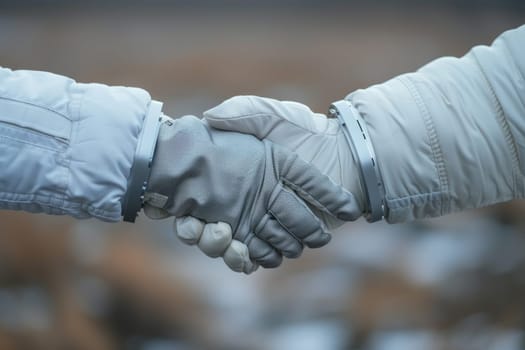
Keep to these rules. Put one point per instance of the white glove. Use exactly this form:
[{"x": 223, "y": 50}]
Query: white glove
[
  {"x": 265, "y": 192},
  {"x": 213, "y": 239},
  {"x": 314, "y": 137}
]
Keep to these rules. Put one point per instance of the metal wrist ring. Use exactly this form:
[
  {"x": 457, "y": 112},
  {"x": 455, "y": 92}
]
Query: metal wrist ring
[
  {"x": 138, "y": 180},
  {"x": 354, "y": 130}
]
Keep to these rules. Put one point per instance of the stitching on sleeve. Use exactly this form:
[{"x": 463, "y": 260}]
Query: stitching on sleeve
[
  {"x": 36, "y": 106},
  {"x": 437, "y": 153},
  {"x": 502, "y": 121},
  {"x": 56, "y": 205}
]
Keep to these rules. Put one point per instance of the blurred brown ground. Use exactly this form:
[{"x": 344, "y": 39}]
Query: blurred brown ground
[{"x": 452, "y": 283}]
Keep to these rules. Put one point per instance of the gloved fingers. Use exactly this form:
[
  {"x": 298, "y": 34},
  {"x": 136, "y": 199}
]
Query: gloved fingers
[
  {"x": 267, "y": 118},
  {"x": 263, "y": 253},
  {"x": 314, "y": 187},
  {"x": 272, "y": 232},
  {"x": 188, "y": 229},
  {"x": 297, "y": 219},
  {"x": 155, "y": 213},
  {"x": 237, "y": 257},
  {"x": 215, "y": 239}
]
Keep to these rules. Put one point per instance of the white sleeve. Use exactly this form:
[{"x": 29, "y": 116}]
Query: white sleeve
[
  {"x": 66, "y": 147},
  {"x": 451, "y": 136}
]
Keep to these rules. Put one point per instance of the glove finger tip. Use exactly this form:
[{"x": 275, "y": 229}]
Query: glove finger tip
[
  {"x": 188, "y": 229},
  {"x": 237, "y": 257},
  {"x": 250, "y": 268},
  {"x": 263, "y": 253},
  {"x": 350, "y": 210},
  {"x": 318, "y": 241},
  {"x": 228, "y": 108},
  {"x": 279, "y": 237},
  {"x": 215, "y": 239}
]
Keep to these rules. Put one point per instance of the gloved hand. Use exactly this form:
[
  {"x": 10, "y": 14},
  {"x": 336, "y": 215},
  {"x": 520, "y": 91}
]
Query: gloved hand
[
  {"x": 214, "y": 239},
  {"x": 315, "y": 138},
  {"x": 259, "y": 189}
]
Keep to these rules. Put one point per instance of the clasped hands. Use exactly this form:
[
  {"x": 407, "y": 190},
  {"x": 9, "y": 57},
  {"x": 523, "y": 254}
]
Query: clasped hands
[{"x": 255, "y": 181}]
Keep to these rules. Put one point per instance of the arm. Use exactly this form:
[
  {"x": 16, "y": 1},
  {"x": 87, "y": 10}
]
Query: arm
[
  {"x": 70, "y": 148},
  {"x": 448, "y": 137},
  {"x": 451, "y": 136},
  {"x": 67, "y": 148}
]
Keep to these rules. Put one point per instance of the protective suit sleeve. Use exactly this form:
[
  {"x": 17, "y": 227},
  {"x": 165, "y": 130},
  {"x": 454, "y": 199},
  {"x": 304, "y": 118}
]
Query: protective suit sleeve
[
  {"x": 66, "y": 147},
  {"x": 451, "y": 136}
]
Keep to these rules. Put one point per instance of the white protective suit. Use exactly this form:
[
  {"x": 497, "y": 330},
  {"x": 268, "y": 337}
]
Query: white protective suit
[
  {"x": 451, "y": 136},
  {"x": 65, "y": 147},
  {"x": 448, "y": 137}
]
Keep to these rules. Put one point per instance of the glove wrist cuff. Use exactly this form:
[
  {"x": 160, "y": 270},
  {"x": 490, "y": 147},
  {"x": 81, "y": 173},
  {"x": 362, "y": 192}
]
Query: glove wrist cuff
[
  {"x": 140, "y": 171},
  {"x": 355, "y": 132}
]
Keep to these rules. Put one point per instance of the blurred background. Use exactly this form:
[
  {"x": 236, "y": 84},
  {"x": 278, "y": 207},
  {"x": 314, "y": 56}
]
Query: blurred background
[{"x": 452, "y": 283}]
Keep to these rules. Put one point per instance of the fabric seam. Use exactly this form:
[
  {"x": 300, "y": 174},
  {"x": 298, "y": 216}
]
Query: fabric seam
[
  {"x": 47, "y": 202},
  {"x": 437, "y": 153},
  {"x": 504, "y": 125},
  {"x": 34, "y": 105}
]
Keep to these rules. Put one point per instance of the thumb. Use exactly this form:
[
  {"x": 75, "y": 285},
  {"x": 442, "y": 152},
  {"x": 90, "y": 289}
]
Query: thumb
[{"x": 266, "y": 118}]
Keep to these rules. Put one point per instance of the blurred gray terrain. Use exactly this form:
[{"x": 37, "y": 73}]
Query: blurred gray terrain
[{"x": 457, "y": 282}]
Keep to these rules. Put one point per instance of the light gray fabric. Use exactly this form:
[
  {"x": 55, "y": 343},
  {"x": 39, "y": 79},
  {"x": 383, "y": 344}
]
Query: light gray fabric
[
  {"x": 451, "y": 136},
  {"x": 214, "y": 239},
  {"x": 448, "y": 137},
  {"x": 66, "y": 148},
  {"x": 256, "y": 187},
  {"x": 315, "y": 138},
  {"x": 191, "y": 231}
]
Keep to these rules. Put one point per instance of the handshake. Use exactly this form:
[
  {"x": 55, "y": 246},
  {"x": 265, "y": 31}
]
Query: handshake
[
  {"x": 255, "y": 181},
  {"x": 258, "y": 179}
]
